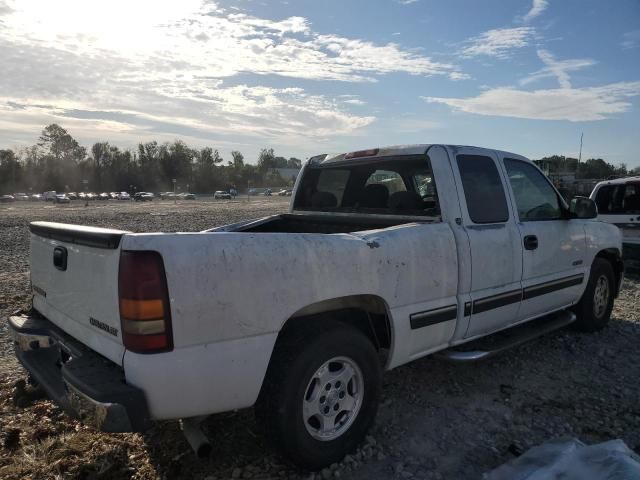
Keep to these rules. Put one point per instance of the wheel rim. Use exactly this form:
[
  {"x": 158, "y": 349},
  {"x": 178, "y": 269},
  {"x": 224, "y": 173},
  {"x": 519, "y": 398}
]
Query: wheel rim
[
  {"x": 333, "y": 398},
  {"x": 601, "y": 296}
]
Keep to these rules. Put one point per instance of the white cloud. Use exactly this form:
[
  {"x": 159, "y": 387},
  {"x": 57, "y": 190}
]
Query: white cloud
[
  {"x": 537, "y": 8},
  {"x": 631, "y": 39},
  {"x": 557, "y": 68},
  {"x": 572, "y": 104},
  {"x": 146, "y": 67},
  {"x": 207, "y": 40},
  {"x": 406, "y": 2},
  {"x": 498, "y": 42},
  {"x": 351, "y": 99},
  {"x": 456, "y": 76}
]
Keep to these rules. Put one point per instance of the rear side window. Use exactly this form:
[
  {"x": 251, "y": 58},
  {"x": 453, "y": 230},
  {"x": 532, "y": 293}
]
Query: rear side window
[
  {"x": 483, "y": 190},
  {"x": 619, "y": 199}
]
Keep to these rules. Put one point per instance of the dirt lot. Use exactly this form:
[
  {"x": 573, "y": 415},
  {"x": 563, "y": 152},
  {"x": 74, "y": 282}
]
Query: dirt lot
[{"x": 436, "y": 420}]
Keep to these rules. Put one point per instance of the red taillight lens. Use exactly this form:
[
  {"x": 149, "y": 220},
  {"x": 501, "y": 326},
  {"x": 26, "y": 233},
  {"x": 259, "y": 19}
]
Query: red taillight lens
[
  {"x": 362, "y": 153},
  {"x": 144, "y": 302}
]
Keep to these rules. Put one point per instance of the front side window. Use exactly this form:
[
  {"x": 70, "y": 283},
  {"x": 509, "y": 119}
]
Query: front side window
[
  {"x": 535, "y": 197},
  {"x": 483, "y": 190}
]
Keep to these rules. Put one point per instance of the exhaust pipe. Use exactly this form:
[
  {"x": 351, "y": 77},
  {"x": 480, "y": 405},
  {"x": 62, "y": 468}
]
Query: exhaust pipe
[{"x": 196, "y": 437}]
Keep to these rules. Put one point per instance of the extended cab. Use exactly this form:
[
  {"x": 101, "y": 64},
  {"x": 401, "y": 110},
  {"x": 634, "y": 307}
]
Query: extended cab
[{"x": 385, "y": 256}]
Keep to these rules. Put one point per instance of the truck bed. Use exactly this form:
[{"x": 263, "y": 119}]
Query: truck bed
[{"x": 296, "y": 223}]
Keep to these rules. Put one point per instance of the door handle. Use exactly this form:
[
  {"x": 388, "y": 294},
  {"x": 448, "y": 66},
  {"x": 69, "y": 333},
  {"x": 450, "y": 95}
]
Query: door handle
[{"x": 530, "y": 242}]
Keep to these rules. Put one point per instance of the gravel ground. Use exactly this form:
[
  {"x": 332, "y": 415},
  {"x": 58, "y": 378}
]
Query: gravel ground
[{"x": 436, "y": 420}]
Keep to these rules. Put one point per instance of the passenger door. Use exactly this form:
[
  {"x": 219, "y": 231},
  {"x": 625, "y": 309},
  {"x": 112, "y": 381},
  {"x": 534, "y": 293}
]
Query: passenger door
[
  {"x": 554, "y": 246},
  {"x": 494, "y": 243}
]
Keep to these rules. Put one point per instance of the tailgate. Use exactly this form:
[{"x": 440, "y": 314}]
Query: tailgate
[{"x": 74, "y": 277}]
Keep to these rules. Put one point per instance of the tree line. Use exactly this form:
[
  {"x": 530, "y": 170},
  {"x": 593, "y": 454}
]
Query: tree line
[
  {"x": 58, "y": 162},
  {"x": 592, "y": 168}
]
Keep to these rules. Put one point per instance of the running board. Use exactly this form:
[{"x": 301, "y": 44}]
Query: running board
[{"x": 509, "y": 338}]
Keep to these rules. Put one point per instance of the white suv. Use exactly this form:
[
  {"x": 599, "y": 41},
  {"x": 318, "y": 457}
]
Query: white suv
[{"x": 618, "y": 202}]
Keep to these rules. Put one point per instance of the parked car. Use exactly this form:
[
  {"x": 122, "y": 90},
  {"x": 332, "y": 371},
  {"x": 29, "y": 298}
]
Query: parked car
[
  {"x": 267, "y": 192},
  {"x": 50, "y": 196},
  {"x": 7, "y": 198},
  {"x": 62, "y": 198},
  {"x": 618, "y": 203},
  {"x": 90, "y": 196},
  {"x": 124, "y": 196},
  {"x": 36, "y": 197},
  {"x": 286, "y": 192},
  {"x": 21, "y": 197},
  {"x": 72, "y": 196},
  {"x": 494, "y": 245},
  {"x": 143, "y": 197},
  {"x": 113, "y": 195},
  {"x": 103, "y": 196},
  {"x": 220, "y": 194},
  {"x": 187, "y": 196}
]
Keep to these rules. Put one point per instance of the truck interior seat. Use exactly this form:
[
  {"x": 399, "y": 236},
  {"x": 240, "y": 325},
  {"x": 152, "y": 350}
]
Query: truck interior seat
[
  {"x": 373, "y": 196},
  {"x": 405, "y": 201},
  {"x": 324, "y": 200}
]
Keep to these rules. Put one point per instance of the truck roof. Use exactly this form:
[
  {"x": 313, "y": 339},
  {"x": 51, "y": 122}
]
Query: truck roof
[
  {"x": 395, "y": 150},
  {"x": 618, "y": 181}
]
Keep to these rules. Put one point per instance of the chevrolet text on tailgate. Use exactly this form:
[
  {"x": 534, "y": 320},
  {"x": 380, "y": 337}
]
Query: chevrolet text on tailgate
[{"x": 385, "y": 256}]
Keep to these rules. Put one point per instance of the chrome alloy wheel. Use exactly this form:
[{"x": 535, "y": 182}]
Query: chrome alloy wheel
[
  {"x": 601, "y": 296},
  {"x": 333, "y": 398}
]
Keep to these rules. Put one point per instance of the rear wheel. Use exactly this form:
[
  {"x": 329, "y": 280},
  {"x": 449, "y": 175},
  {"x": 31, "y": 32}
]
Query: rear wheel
[
  {"x": 594, "y": 309},
  {"x": 321, "y": 393}
]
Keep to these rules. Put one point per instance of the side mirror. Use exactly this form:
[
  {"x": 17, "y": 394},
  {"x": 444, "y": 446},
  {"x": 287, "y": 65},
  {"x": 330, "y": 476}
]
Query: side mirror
[{"x": 583, "y": 207}]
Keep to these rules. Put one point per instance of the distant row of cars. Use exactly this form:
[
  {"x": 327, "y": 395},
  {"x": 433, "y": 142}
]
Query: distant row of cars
[
  {"x": 59, "y": 197},
  {"x": 267, "y": 192}
]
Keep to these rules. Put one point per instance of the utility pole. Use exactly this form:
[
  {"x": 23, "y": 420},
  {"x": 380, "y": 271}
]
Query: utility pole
[
  {"x": 175, "y": 200},
  {"x": 580, "y": 154}
]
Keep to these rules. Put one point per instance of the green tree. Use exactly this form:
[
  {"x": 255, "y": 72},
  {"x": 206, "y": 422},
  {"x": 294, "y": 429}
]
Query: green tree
[
  {"x": 595, "y": 168},
  {"x": 238, "y": 158},
  {"x": 10, "y": 171},
  {"x": 266, "y": 160},
  {"x": 294, "y": 163}
]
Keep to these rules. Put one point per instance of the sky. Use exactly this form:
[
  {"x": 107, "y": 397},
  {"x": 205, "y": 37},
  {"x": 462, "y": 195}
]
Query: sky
[{"x": 310, "y": 77}]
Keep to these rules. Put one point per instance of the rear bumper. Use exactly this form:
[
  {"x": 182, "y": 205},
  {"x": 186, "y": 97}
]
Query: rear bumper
[{"x": 86, "y": 385}]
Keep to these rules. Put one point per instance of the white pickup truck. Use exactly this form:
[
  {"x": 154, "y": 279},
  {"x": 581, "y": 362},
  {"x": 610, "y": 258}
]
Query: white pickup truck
[{"x": 385, "y": 256}]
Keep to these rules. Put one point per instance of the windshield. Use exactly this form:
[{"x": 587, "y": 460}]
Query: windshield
[{"x": 394, "y": 186}]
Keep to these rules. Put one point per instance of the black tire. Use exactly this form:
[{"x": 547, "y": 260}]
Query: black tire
[
  {"x": 593, "y": 315},
  {"x": 297, "y": 358}
]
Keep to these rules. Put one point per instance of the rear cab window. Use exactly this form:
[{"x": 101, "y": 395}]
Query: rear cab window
[
  {"x": 483, "y": 189},
  {"x": 402, "y": 185}
]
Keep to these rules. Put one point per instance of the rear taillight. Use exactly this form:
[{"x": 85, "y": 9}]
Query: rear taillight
[
  {"x": 144, "y": 302},
  {"x": 372, "y": 152}
]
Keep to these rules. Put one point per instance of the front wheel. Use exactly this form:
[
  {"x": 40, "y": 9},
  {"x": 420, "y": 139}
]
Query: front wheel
[
  {"x": 594, "y": 309},
  {"x": 321, "y": 393}
]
